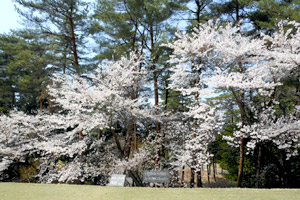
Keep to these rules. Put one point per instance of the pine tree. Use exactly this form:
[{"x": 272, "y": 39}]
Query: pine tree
[
  {"x": 25, "y": 64},
  {"x": 64, "y": 24},
  {"x": 268, "y": 13}
]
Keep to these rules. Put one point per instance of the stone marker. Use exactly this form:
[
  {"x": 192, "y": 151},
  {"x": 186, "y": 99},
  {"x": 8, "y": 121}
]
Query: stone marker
[
  {"x": 117, "y": 180},
  {"x": 156, "y": 177}
]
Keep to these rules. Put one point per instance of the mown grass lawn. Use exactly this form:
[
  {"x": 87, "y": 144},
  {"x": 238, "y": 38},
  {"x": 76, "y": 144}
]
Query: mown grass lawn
[{"x": 27, "y": 191}]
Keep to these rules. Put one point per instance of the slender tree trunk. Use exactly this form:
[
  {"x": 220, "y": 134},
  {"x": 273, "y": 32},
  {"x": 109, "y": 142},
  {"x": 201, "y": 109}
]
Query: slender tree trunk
[
  {"x": 200, "y": 6},
  {"x": 193, "y": 170},
  {"x": 214, "y": 168},
  {"x": 182, "y": 176},
  {"x": 194, "y": 161},
  {"x": 257, "y": 184},
  {"x": 208, "y": 174},
  {"x": 198, "y": 12},
  {"x": 41, "y": 102},
  {"x": 199, "y": 178},
  {"x": 244, "y": 118},
  {"x": 81, "y": 135},
  {"x": 74, "y": 44},
  {"x": 242, "y": 148},
  {"x": 163, "y": 136},
  {"x": 237, "y": 9},
  {"x": 135, "y": 33},
  {"x": 155, "y": 85},
  {"x": 241, "y": 166},
  {"x": 166, "y": 95},
  {"x": 65, "y": 60}
]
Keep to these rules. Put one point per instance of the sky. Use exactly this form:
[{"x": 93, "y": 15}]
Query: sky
[{"x": 8, "y": 16}]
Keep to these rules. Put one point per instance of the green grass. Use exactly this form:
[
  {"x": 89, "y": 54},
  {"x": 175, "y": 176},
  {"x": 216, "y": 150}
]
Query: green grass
[{"x": 27, "y": 191}]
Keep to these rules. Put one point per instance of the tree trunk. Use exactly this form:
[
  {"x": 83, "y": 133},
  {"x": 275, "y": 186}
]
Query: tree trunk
[
  {"x": 193, "y": 170},
  {"x": 208, "y": 174},
  {"x": 65, "y": 64},
  {"x": 166, "y": 95},
  {"x": 81, "y": 135},
  {"x": 41, "y": 102},
  {"x": 199, "y": 178},
  {"x": 155, "y": 85},
  {"x": 241, "y": 166},
  {"x": 200, "y": 6},
  {"x": 128, "y": 141},
  {"x": 214, "y": 168},
  {"x": 257, "y": 184},
  {"x": 198, "y": 12},
  {"x": 74, "y": 45},
  {"x": 181, "y": 176},
  {"x": 245, "y": 120},
  {"x": 237, "y": 9}
]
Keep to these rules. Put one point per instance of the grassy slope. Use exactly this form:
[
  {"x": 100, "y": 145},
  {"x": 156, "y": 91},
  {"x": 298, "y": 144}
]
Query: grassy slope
[{"x": 26, "y": 191}]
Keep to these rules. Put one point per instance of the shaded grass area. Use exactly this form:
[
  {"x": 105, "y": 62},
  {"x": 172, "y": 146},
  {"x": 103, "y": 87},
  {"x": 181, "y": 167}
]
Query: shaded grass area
[{"x": 28, "y": 191}]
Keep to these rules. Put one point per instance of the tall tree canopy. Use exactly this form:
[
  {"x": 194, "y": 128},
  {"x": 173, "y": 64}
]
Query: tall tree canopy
[{"x": 65, "y": 25}]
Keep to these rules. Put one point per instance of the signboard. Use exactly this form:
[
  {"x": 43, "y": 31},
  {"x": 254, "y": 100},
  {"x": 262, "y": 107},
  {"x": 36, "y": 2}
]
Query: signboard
[
  {"x": 117, "y": 180},
  {"x": 156, "y": 177}
]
